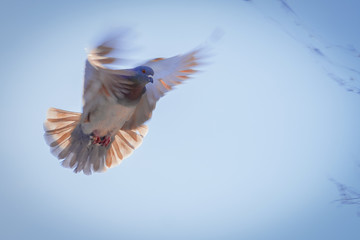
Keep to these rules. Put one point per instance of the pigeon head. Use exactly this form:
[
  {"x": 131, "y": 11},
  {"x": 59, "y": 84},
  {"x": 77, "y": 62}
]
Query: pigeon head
[{"x": 144, "y": 73}]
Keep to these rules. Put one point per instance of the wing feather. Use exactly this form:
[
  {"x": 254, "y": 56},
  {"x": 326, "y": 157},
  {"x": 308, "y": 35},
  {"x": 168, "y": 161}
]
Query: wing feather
[
  {"x": 100, "y": 79},
  {"x": 169, "y": 72}
]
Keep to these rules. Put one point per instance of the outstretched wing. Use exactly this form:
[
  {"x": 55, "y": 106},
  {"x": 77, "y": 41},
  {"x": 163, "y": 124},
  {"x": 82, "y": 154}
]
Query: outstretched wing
[
  {"x": 168, "y": 72},
  {"x": 102, "y": 79}
]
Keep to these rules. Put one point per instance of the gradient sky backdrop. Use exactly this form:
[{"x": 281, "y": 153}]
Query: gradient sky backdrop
[{"x": 244, "y": 150}]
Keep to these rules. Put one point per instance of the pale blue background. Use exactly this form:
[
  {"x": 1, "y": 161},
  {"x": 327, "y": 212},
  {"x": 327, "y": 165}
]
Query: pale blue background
[{"x": 244, "y": 150}]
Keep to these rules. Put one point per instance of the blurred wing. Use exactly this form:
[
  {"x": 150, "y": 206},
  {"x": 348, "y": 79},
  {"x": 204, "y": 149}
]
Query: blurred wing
[
  {"x": 168, "y": 72},
  {"x": 111, "y": 47},
  {"x": 99, "y": 78}
]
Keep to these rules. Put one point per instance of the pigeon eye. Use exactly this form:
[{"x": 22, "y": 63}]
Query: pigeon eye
[{"x": 143, "y": 71}]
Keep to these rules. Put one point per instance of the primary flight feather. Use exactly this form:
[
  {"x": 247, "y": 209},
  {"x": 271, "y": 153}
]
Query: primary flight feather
[{"x": 117, "y": 103}]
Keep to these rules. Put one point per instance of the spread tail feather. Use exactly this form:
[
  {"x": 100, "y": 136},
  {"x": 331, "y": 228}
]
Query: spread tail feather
[
  {"x": 68, "y": 143},
  {"x": 124, "y": 143}
]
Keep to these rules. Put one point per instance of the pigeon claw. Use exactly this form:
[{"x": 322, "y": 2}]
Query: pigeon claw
[
  {"x": 95, "y": 139},
  {"x": 105, "y": 141},
  {"x": 102, "y": 141}
]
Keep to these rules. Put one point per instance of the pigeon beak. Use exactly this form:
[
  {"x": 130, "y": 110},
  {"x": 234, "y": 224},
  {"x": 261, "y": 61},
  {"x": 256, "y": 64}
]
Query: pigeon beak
[{"x": 150, "y": 79}]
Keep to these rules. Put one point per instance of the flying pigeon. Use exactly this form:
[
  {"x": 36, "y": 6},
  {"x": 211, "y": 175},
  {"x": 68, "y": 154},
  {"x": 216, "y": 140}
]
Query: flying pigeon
[{"x": 116, "y": 104}]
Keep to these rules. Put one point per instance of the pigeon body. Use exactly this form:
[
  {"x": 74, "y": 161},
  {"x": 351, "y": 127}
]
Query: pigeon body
[{"x": 117, "y": 103}]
